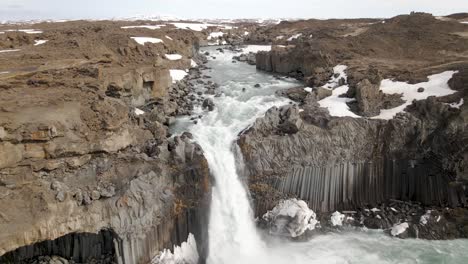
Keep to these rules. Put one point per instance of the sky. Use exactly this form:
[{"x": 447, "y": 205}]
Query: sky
[{"x": 102, "y": 9}]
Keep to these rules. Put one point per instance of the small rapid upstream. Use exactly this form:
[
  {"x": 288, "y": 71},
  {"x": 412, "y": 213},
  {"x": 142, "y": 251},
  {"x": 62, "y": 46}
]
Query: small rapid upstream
[{"x": 233, "y": 237}]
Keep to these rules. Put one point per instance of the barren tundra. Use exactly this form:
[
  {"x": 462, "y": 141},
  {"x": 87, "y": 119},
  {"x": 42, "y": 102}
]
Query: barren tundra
[{"x": 123, "y": 140}]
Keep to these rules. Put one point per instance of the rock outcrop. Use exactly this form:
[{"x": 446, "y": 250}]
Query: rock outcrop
[
  {"x": 85, "y": 148},
  {"x": 347, "y": 163}
]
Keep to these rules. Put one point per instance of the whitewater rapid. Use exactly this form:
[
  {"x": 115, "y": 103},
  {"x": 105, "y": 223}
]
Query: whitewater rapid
[{"x": 233, "y": 237}]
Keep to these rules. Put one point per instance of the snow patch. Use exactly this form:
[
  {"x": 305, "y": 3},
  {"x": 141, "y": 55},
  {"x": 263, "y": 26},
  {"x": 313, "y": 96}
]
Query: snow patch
[
  {"x": 177, "y": 75},
  {"x": 337, "y": 219},
  {"x": 39, "y": 42},
  {"x": 279, "y": 37},
  {"x": 139, "y": 112},
  {"x": 339, "y": 72},
  {"x": 143, "y": 40},
  {"x": 9, "y": 50},
  {"x": 294, "y": 37},
  {"x": 185, "y": 254},
  {"x": 337, "y": 105},
  {"x": 215, "y": 35},
  {"x": 256, "y": 48},
  {"x": 399, "y": 229},
  {"x": 173, "y": 56},
  {"x": 308, "y": 89},
  {"x": 374, "y": 210},
  {"x": 198, "y": 26},
  {"x": 292, "y": 216},
  {"x": 457, "y": 105},
  {"x": 152, "y": 27},
  {"x": 246, "y": 33},
  {"x": 193, "y": 64},
  {"x": 436, "y": 86},
  {"x": 4, "y": 72},
  {"x": 27, "y": 31},
  {"x": 169, "y": 38}
]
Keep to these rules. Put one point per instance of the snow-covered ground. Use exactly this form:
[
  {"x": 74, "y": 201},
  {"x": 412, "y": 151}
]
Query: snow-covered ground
[
  {"x": 143, "y": 40},
  {"x": 336, "y": 105},
  {"x": 173, "y": 56},
  {"x": 436, "y": 86},
  {"x": 177, "y": 75}
]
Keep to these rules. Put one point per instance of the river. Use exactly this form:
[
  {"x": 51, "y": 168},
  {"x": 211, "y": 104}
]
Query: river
[{"x": 233, "y": 236}]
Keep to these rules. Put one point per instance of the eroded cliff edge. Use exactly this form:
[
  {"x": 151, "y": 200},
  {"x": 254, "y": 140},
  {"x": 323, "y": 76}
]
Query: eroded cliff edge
[
  {"x": 85, "y": 148},
  {"x": 357, "y": 163}
]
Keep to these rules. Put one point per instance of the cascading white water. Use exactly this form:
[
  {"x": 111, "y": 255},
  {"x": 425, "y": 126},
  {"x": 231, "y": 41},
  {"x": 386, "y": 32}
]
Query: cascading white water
[
  {"x": 232, "y": 232},
  {"x": 233, "y": 238}
]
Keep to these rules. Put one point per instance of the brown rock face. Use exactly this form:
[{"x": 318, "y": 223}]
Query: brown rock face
[
  {"x": 297, "y": 63},
  {"x": 75, "y": 157}
]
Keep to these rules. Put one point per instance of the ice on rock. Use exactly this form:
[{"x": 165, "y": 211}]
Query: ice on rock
[
  {"x": 143, "y": 40},
  {"x": 337, "y": 219},
  {"x": 185, "y": 254},
  {"x": 173, "y": 56},
  {"x": 177, "y": 75},
  {"x": 290, "y": 217},
  {"x": 399, "y": 229},
  {"x": 425, "y": 218}
]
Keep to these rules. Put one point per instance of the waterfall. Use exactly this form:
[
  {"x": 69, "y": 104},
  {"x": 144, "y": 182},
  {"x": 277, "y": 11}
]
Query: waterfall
[{"x": 232, "y": 233}]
